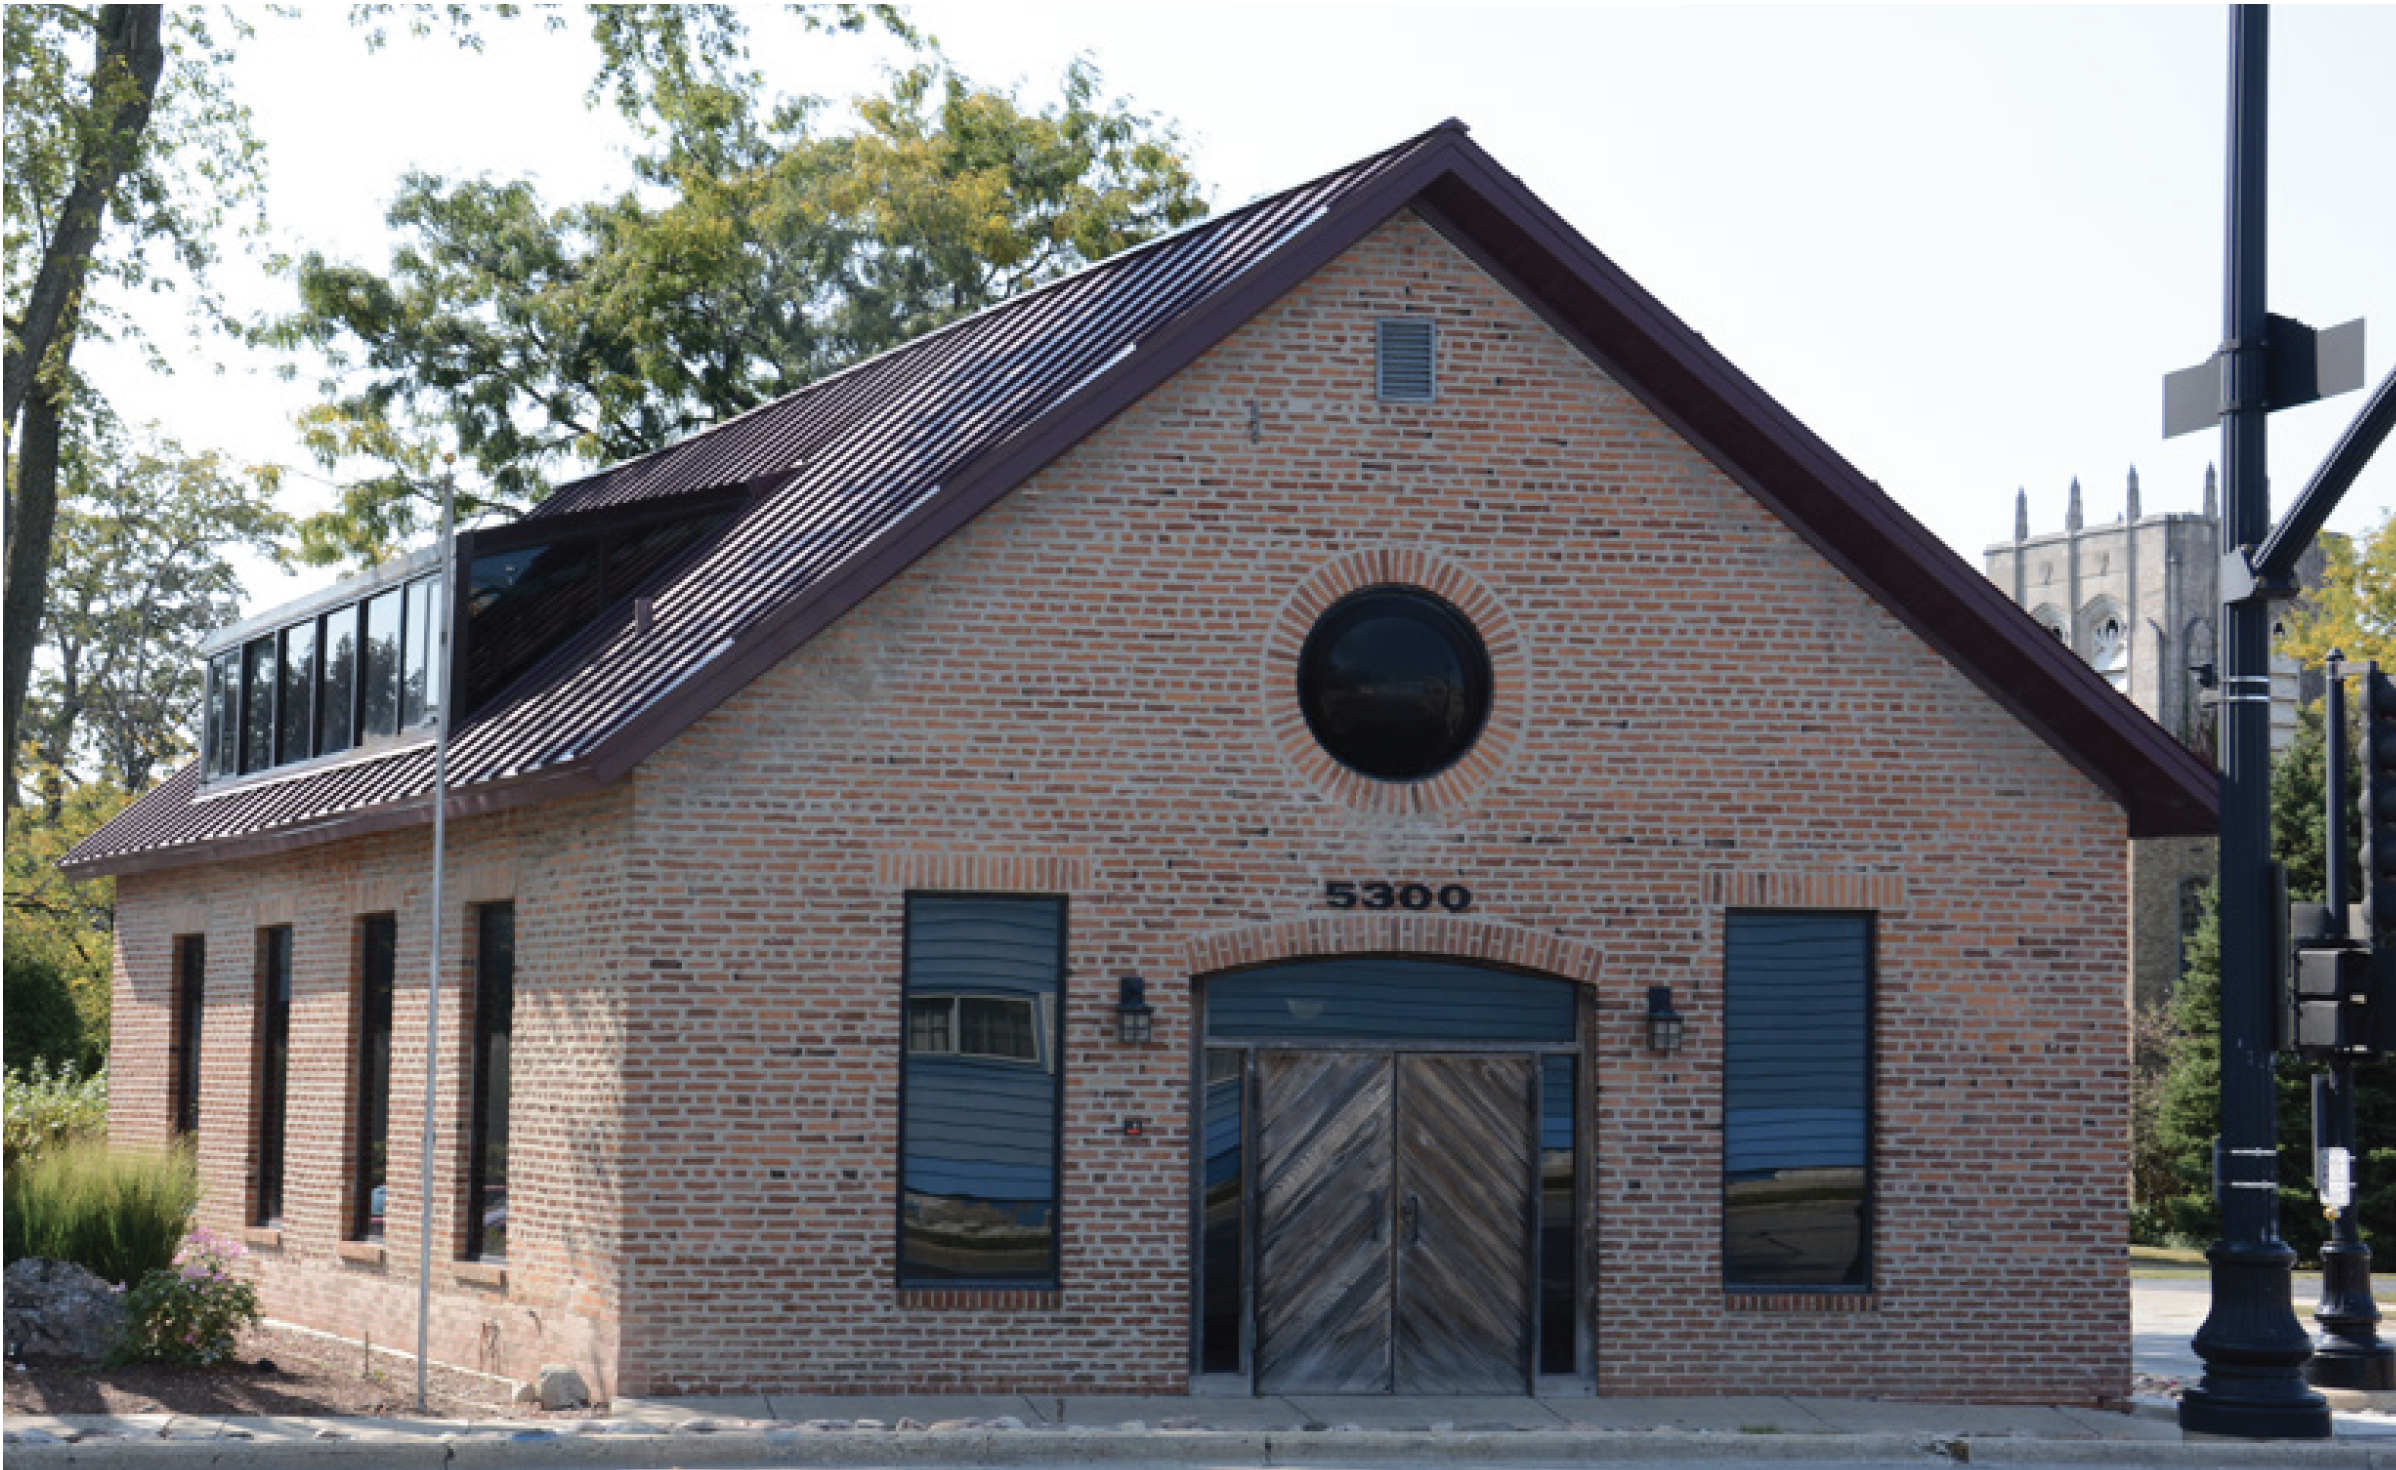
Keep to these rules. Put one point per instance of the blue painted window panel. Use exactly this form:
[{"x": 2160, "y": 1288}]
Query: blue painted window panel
[
  {"x": 1388, "y": 998},
  {"x": 978, "y": 1136},
  {"x": 1796, "y": 1131}
]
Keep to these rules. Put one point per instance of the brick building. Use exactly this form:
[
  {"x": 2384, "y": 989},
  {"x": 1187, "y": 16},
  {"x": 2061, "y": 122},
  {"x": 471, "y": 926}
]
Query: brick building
[
  {"x": 1333, "y": 802},
  {"x": 2137, "y": 598}
]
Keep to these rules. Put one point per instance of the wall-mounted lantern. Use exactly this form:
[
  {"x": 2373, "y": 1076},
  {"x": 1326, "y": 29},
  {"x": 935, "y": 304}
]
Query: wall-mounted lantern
[
  {"x": 1133, "y": 1018},
  {"x": 1664, "y": 1024}
]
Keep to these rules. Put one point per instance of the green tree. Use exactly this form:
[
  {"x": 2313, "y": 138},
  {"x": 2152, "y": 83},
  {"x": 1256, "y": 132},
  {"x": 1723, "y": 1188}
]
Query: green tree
[
  {"x": 145, "y": 533},
  {"x": 121, "y": 171},
  {"x": 2354, "y": 611},
  {"x": 2172, "y": 1159},
  {"x": 750, "y": 256},
  {"x": 59, "y": 932}
]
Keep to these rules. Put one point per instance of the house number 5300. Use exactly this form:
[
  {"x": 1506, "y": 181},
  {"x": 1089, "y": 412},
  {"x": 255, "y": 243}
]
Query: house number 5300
[{"x": 1341, "y": 894}]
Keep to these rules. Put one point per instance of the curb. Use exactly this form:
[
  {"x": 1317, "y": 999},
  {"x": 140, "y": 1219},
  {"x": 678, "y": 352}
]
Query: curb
[{"x": 533, "y": 1450}]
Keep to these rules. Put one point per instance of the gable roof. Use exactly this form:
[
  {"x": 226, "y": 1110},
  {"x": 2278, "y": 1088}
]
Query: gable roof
[{"x": 852, "y": 478}]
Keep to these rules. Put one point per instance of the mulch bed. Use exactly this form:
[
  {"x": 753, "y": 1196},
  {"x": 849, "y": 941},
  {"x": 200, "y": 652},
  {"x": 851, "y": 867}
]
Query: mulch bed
[{"x": 276, "y": 1373}]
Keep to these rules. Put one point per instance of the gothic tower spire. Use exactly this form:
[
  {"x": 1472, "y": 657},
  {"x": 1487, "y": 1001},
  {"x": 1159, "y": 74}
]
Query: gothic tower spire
[
  {"x": 2071, "y": 512},
  {"x": 2021, "y": 515},
  {"x": 2133, "y": 494}
]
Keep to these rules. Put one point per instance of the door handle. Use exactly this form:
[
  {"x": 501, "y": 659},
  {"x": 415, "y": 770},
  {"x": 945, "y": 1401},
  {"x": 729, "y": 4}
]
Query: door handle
[{"x": 1412, "y": 1210}]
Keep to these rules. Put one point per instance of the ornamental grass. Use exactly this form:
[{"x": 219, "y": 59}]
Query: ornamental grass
[{"x": 119, "y": 1214}]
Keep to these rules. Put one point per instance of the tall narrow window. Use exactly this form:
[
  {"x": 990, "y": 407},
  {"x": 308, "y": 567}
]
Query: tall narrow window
[
  {"x": 337, "y": 695},
  {"x": 258, "y": 704},
  {"x": 419, "y": 689},
  {"x": 274, "y": 1068},
  {"x": 981, "y": 1088},
  {"x": 378, "y": 943},
  {"x": 295, "y": 714},
  {"x": 1559, "y": 1196},
  {"x": 1797, "y": 1117},
  {"x": 379, "y": 667},
  {"x": 1224, "y": 1252},
  {"x": 191, "y": 1008},
  {"x": 222, "y": 737},
  {"x": 494, "y": 1018}
]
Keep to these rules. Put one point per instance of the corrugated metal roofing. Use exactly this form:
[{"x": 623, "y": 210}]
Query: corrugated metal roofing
[{"x": 856, "y": 475}]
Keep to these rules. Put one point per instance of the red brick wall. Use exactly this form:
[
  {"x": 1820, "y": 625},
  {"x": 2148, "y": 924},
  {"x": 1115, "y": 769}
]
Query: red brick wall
[
  {"x": 556, "y": 1301},
  {"x": 1088, "y": 692}
]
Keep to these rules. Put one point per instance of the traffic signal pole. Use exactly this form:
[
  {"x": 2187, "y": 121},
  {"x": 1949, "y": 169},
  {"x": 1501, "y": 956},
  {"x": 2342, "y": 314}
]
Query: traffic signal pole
[
  {"x": 2253, "y": 1348},
  {"x": 2347, "y": 1352}
]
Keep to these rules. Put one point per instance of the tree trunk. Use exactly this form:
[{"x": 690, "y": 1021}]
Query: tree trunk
[
  {"x": 31, "y": 526},
  {"x": 129, "y": 53}
]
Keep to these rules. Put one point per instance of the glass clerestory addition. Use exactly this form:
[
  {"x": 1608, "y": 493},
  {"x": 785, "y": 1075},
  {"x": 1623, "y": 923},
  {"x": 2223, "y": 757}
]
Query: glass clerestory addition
[
  {"x": 367, "y": 668},
  {"x": 325, "y": 683}
]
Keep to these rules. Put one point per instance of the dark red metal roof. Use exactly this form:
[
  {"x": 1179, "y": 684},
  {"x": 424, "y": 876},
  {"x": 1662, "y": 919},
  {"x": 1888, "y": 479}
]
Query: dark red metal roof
[{"x": 855, "y": 476}]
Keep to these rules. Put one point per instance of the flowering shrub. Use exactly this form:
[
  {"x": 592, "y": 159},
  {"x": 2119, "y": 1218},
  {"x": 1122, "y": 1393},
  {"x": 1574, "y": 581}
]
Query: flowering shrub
[{"x": 190, "y": 1312}]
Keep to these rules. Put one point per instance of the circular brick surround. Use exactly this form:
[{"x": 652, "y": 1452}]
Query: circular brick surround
[{"x": 1394, "y": 567}]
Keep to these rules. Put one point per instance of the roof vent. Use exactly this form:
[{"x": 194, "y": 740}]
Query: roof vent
[{"x": 1403, "y": 361}]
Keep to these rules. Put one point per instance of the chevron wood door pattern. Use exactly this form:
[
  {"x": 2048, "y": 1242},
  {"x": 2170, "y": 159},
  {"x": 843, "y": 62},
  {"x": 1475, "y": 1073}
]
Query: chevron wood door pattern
[
  {"x": 1394, "y": 1199},
  {"x": 1464, "y": 1265},
  {"x": 1323, "y": 1262}
]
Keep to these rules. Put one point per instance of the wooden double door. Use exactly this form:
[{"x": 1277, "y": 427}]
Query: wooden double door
[{"x": 1395, "y": 1219}]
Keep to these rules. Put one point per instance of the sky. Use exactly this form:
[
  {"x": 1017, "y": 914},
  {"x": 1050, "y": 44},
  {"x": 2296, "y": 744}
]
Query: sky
[{"x": 1963, "y": 245}]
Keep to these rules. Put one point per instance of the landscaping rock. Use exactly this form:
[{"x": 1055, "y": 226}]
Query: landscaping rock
[
  {"x": 56, "y": 1309},
  {"x": 560, "y": 1387}
]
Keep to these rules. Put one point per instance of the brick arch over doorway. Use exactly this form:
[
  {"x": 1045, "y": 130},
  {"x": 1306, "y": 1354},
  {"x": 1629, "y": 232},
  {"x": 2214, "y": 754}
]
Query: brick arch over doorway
[{"x": 1451, "y": 936}]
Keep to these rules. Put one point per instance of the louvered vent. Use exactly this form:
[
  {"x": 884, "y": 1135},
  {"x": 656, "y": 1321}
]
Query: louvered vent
[{"x": 1403, "y": 362}]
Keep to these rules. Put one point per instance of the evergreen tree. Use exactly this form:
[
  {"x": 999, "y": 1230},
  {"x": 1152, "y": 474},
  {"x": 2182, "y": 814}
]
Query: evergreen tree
[{"x": 2175, "y": 1190}]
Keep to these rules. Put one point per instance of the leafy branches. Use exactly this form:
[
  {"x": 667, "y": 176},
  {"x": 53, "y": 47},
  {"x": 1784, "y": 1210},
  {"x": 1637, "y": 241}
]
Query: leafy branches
[{"x": 749, "y": 254}]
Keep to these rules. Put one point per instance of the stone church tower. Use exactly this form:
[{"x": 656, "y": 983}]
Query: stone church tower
[{"x": 2139, "y": 598}]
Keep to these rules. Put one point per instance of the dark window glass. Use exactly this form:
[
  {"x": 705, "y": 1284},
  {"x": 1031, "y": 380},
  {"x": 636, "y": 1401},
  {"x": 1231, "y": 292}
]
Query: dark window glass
[
  {"x": 191, "y": 1010},
  {"x": 258, "y": 704},
  {"x": 1222, "y": 1248},
  {"x": 523, "y": 603},
  {"x": 221, "y": 739},
  {"x": 1394, "y": 682},
  {"x": 377, "y": 968},
  {"x": 978, "y": 1129},
  {"x": 1387, "y": 998},
  {"x": 494, "y": 1019},
  {"x": 295, "y": 717},
  {"x": 1559, "y": 1152},
  {"x": 1796, "y": 1115},
  {"x": 337, "y": 696},
  {"x": 419, "y": 693},
  {"x": 274, "y": 1068},
  {"x": 379, "y": 668}
]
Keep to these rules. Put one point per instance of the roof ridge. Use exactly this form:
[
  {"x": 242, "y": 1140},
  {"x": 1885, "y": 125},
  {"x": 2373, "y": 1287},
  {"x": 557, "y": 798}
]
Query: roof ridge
[{"x": 1120, "y": 260}]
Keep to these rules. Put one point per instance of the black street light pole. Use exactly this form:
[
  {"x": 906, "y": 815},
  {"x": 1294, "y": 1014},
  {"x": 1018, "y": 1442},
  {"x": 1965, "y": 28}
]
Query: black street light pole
[{"x": 2253, "y": 1348}]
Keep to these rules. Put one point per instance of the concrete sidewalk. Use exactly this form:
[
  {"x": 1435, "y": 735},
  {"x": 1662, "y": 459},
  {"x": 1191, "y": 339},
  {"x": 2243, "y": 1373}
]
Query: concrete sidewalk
[{"x": 1024, "y": 1430}]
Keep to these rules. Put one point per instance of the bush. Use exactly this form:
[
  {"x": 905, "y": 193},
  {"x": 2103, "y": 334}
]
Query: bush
[
  {"x": 191, "y": 1310},
  {"x": 45, "y": 1025},
  {"x": 48, "y": 1109},
  {"x": 117, "y": 1215}
]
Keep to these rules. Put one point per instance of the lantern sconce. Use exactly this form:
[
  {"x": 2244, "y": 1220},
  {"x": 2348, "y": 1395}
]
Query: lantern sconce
[
  {"x": 1664, "y": 1024},
  {"x": 1133, "y": 1019}
]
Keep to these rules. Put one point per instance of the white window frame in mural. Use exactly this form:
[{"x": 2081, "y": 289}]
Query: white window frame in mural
[{"x": 2108, "y": 642}]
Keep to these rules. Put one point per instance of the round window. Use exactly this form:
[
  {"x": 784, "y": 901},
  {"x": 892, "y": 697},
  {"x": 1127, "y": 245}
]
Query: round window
[{"x": 1394, "y": 683}]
